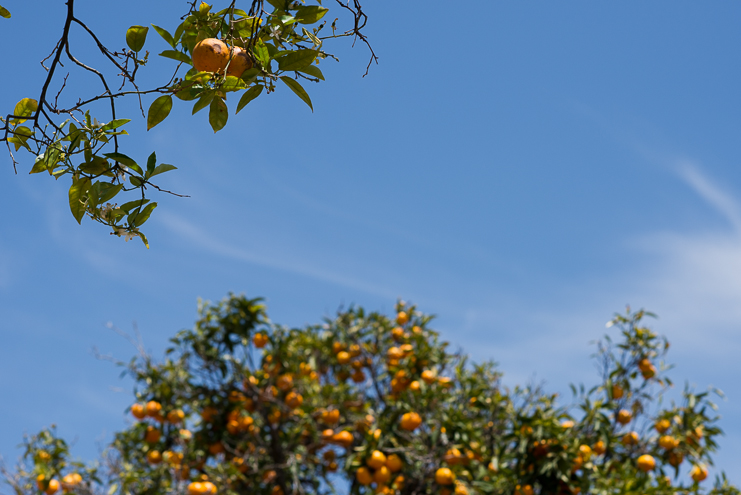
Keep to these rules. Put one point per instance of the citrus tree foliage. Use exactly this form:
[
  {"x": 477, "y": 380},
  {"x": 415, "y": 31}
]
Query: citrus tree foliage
[
  {"x": 267, "y": 44},
  {"x": 366, "y": 404}
]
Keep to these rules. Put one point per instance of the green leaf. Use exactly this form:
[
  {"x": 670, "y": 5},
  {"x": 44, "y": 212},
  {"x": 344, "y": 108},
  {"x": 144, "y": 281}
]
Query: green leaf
[
  {"x": 279, "y": 4},
  {"x": 262, "y": 54},
  {"x": 248, "y": 96},
  {"x": 136, "y": 36},
  {"x": 127, "y": 207},
  {"x": 76, "y": 193},
  {"x": 143, "y": 215},
  {"x": 218, "y": 114},
  {"x": 151, "y": 162},
  {"x": 313, "y": 70},
  {"x": 108, "y": 191},
  {"x": 296, "y": 60},
  {"x": 113, "y": 124},
  {"x": 165, "y": 35},
  {"x": 97, "y": 166},
  {"x": 162, "y": 168},
  {"x": 176, "y": 55},
  {"x": 233, "y": 83},
  {"x": 144, "y": 239},
  {"x": 124, "y": 160},
  {"x": 159, "y": 110},
  {"x": 298, "y": 89},
  {"x": 312, "y": 37},
  {"x": 24, "y": 108},
  {"x": 310, "y": 14},
  {"x": 4, "y": 12},
  {"x": 136, "y": 181},
  {"x": 203, "y": 101}
]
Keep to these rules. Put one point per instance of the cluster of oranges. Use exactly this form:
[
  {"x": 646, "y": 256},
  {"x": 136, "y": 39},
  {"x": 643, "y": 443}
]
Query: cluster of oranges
[
  {"x": 51, "y": 486},
  {"x": 380, "y": 469},
  {"x": 213, "y": 55}
]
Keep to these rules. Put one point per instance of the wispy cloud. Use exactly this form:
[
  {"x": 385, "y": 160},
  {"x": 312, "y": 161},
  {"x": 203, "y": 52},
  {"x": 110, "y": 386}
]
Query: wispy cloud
[
  {"x": 198, "y": 236},
  {"x": 722, "y": 201}
]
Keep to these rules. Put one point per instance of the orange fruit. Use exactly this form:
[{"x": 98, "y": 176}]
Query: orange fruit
[
  {"x": 185, "y": 434},
  {"x": 444, "y": 476},
  {"x": 196, "y": 488},
  {"x": 382, "y": 475},
  {"x": 453, "y": 456},
  {"x": 358, "y": 376},
  {"x": 698, "y": 473},
  {"x": 524, "y": 490},
  {"x": 343, "y": 357},
  {"x": 209, "y": 414},
  {"x": 240, "y": 62},
  {"x": 294, "y": 400},
  {"x": 630, "y": 438},
  {"x": 676, "y": 458},
  {"x": 668, "y": 442},
  {"x": 153, "y": 408},
  {"x": 646, "y": 463},
  {"x": 176, "y": 416},
  {"x": 429, "y": 377},
  {"x": 394, "y": 463},
  {"x": 599, "y": 448},
  {"x": 445, "y": 381},
  {"x": 355, "y": 350},
  {"x": 330, "y": 417},
  {"x": 585, "y": 451},
  {"x": 567, "y": 424},
  {"x": 624, "y": 416},
  {"x": 376, "y": 460},
  {"x": 52, "y": 487},
  {"x": 343, "y": 438},
  {"x": 394, "y": 353},
  {"x": 617, "y": 392},
  {"x": 209, "y": 487},
  {"x": 415, "y": 386},
  {"x": 402, "y": 318},
  {"x": 644, "y": 364},
  {"x": 232, "y": 427},
  {"x": 364, "y": 476},
  {"x": 154, "y": 457},
  {"x": 260, "y": 339},
  {"x": 399, "y": 482},
  {"x": 285, "y": 383},
  {"x": 40, "y": 482},
  {"x": 70, "y": 481},
  {"x": 410, "y": 421},
  {"x": 216, "y": 448},
  {"x": 662, "y": 425},
  {"x": 210, "y": 55},
  {"x": 138, "y": 411},
  {"x": 460, "y": 489},
  {"x": 152, "y": 435},
  {"x": 397, "y": 333},
  {"x": 649, "y": 373}
]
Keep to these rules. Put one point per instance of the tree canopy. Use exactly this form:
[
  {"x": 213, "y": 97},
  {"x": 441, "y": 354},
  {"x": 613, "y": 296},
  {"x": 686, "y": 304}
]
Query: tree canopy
[{"x": 366, "y": 403}]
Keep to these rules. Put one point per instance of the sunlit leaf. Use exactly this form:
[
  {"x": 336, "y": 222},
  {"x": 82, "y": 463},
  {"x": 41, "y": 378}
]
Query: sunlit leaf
[
  {"x": 136, "y": 36},
  {"x": 165, "y": 35},
  {"x": 159, "y": 110},
  {"x": 248, "y": 96},
  {"x": 298, "y": 89},
  {"x": 218, "y": 114}
]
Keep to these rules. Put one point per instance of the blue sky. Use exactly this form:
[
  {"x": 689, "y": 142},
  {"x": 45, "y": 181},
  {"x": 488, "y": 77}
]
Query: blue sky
[{"x": 521, "y": 170}]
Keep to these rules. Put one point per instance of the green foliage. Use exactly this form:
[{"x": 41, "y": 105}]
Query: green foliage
[
  {"x": 4, "y": 12},
  {"x": 256, "y": 407}
]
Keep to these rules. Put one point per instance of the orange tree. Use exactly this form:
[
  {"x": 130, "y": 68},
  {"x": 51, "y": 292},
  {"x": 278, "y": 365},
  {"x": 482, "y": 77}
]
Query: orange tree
[
  {"x": 364, "y": 403},
  {"x": 242, "y": 50}
]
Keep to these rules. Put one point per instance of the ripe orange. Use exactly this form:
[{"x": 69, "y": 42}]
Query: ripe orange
[
  {"x": 649, "y": 372},
  {"x": 394, "y": 353},
  {"x": 330, "y": 417},
  {"x": 644, "y": 364},
  {"x": 376, "y": 460},
  {"x": 415, "y": 386},
  {"x": 524, "y": 490},
  {"x": 232, "y": 426},
  {"x": 358, "y": 376},
  {"x": 585, "y": 451},
  {"x": 216, "y": 448},
  {"x": 176, "y": 416},
  {"x": 364, "y": 476},
  {"x": 453, "y": 456},
  {"x": 343, "y": 438},
  {"x": 294, "y": 400},
  {"x": 668, "y": 442},
  {"x": 343, "y": 357},
  {"x": 210, "y": 55},
  {"x": 397, "y": 333},
  {"x": 624, "y": 416},
  {"x": 394, "y": 463},
  {"x": 196, "y": 488},
  {"x": 382, "y": 475},
  {"x": 410, "y": 421},
  {"x": 70, "y": 481},
  {"x": 617, "y": 392},
  {"x": 646, "y": 463},
  {"x": 138, "y": 411},
  {"x": 599, "y": 448},
  {"x": 444, "y": 476},
  {"x": 460, "y": 489},
  {"x": 285, "y": 383},
  {"x": 152, "y": 435},
  {"x": 52, "y": 487},
  {"x": 429, "y": 377},
  {"x": 402, "y": 318},
  {"x": 240, "y": 62},
  {"x": 567, "y": 424},
  {"x": 209, "y": 487},
  {"x": 209, "y": 414},
  {"x": 154, "y": 457},
  {"x": 662, "y": 425},
  {"x": 698, "y": 473},
  {"x": 153, "y": 408},
  {"x": 676, "y": 458},
  {"x": 630, "y": 438},
  {"x": 260, "y": 339}
]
